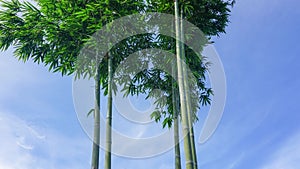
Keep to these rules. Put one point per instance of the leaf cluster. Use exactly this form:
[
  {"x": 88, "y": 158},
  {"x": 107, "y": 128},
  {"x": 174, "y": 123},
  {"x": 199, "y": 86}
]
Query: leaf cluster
[
  {"x": 54, "y": 31},
  {"x": 210, "y": 16}
]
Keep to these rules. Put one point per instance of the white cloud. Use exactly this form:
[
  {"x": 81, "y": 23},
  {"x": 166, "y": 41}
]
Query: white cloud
[
  {"x": 287, "y": 157},
  {"x": 236, "y": 161},
  {"x": 12, "y": 152},
  {"x": 231, "y": 133},
  {"x": 21, "y": 143},
  {"x": 23, "y": 147}
]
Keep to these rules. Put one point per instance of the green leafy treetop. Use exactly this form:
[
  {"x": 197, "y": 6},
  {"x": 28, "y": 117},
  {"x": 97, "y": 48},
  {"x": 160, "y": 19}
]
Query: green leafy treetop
[
  {"x": 54, "y": 31},
  {"x": 210, "y": 16}
]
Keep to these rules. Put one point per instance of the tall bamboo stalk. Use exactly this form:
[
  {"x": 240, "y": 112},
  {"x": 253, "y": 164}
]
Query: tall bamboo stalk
[
  {"x": 96, "y": 139},
  {"x": 109, "y": 117},
  {"x": 184, "y": 115},
  {"x": 187, "y": 92},
  {"x": 176, "y": 120},
  {"x": 177, "y": 144}
]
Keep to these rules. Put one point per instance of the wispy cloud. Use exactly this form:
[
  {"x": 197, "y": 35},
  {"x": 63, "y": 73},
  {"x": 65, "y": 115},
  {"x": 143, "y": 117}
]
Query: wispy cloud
[
  {"x": 235, "y": 163},
  {"x": 14, "y": 152},
  {"x": 287, "y": 156},
  {"x": 229, "y": 135},
  {"x": 24, "y": 147}
]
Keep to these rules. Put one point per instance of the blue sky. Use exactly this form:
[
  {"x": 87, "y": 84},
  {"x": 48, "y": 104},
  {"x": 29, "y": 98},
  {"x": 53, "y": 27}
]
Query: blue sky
[{"x": 260, "y": 127}]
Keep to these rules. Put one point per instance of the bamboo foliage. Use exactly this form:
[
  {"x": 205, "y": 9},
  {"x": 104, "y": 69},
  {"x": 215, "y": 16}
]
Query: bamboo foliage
[{"x": 53, "y": 33}]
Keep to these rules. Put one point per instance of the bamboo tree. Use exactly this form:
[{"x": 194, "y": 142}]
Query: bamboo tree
[
  {"x": 96, "y": 139},
  {"x": 187, "y": 91},
  {"x": 184, "y": 113},
  {"x": 54, "y": 33},
  {"x": 153, "y": 79},
  {"x": 176, "y": 113},
  {"x": 109, "y": 116},
  {"x": 211, "y": 17}
]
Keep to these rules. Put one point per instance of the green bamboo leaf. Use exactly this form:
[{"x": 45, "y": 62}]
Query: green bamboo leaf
[{"x": 90, "y": 112}]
